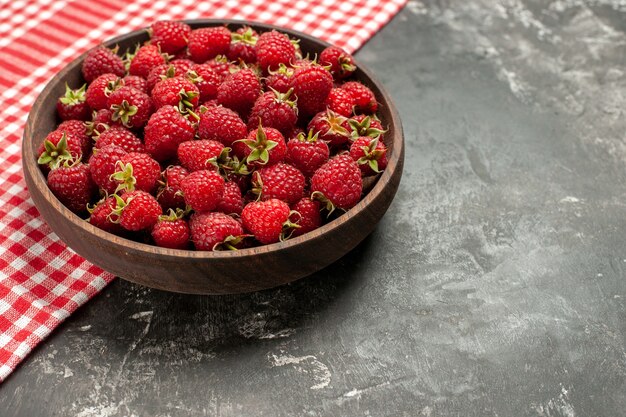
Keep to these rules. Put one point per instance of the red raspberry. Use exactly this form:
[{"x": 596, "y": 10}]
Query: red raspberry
[
  {"x": 307, "y": 153},
  {"x": 166, "y": 129},
  {"x": 338, "y": 183},
  {"x": 330, "y": 127},
  {"x": 207, "y": 43},
  {"x": 146, "y": 58},
  {"x": 308, "y": 216},
  {"x": 72, "y": 185},
  {"x": 169, "y": 35},
  {"x": 203, "y": 190},
  {"x": 242, "y": 45},
  {"x": 267, "y": 220},
  {"x": 78, "y": 128},
  {"x": 103, "y": 216},
  {"x": 170, "y": 195},
  {"x": 138, "y": 210},
  {"x": 206, "y": 80},
  {"x": 122, "y": 137},
  {"x": 73, "y": 105},
  {"x": 364, "y": 98},
  {"x": 370, "y": 154},
  {"x": 232, "y": 201},
  {"x": 59, "y": 146},
  {"x": 281, "y": 181},
  {"x": 214, "y": 231},
  {"x": 130, "y": 107},
  {"x": 196, "y": 155},
  {"x": 239, "y": 91},
  {"x": 177, "y": 91},
  {"x": 171, "y": 231},
  {"x": 221, "y": 66},
  {"x": 341, "y": 62},
  {"x": 311, "y": 85},
  {"x": 100, "y": 61},
  {"x": 137, "y": 82},
  {"x": 102, "y": 165},
  {"x": 161, "y": 72},
  {"x": 365, "y": 125},
  {"x": 264, "y": 146},
  {"x": 274, "y": 48},
  {"x": 274, "y": 109},
  {"x": 222, "y": 124},
  {"x": 341, "y": 102},
  {"x": 136, "y": 170},
  {"x": 100, "y": 121},
  {"x": 280, "y": 80},
  {"x": 97, "y": 95}
]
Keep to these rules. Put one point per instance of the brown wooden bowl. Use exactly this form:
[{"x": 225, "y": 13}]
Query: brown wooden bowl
[{"x": 225, "y": 272}]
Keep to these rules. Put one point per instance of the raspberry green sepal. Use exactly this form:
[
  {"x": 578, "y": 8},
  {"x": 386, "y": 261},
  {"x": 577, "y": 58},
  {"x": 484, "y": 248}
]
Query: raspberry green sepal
[
  {"x": 124, "y": 174},
  {"x": 286, "y": 98},
  {"x": 309, "y": 137},
  {"x": 193, "y": 76},
  {"x": 346, "y": 64},
  {"x": 123, "y": 112},
  {"x": 230, "y": 242},
  {"x": 73, "y": 97},
  {"x": 234, "y": 166},
  {"x": 222, "y": 159},
  {"x": 169, "y": 73},
  {"x": 128, "y": 57},
  {"x": 112, "y": 86},
  {"x": 246, "y": 37},
  {"x": 185, "y": 105},
  {"x": 260, "y": 147},
  {"x": 364, "y": 128},
  {"x": 257, "y": 185},
  {"x": 289, "y": 226},
  {"x": 173, "y": 215},
  {"x": 120, "y": 204},
  {"x": 53, "y": 155},
  {"x": 282, "y": 69},
  {"x": 335, "y": 123},
  {"x": 371, "y": 155},
  {"x": 328, "y": 205}
]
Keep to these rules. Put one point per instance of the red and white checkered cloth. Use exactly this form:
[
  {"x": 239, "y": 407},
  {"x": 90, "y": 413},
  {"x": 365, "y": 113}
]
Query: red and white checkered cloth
[{"x": 42, "y": 281}]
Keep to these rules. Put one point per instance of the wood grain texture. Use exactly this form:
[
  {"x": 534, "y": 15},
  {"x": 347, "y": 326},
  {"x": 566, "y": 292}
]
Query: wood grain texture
[{"x": 211, "y": 272}]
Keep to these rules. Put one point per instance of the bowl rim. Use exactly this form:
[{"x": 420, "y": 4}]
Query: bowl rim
[{"x": 28, "y": 157}]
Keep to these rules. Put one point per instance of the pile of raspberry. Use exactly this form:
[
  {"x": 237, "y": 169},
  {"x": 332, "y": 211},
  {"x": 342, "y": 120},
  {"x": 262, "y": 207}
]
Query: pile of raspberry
[{"x": 212, "y": 139}]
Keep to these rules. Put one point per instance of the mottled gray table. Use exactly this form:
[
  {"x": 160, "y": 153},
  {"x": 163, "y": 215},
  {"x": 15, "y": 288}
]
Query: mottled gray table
[{"x": 494, "y": 286}]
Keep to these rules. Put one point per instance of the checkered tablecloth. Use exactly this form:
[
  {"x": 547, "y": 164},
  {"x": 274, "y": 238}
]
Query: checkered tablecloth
[{"x": 42, "y": 281}]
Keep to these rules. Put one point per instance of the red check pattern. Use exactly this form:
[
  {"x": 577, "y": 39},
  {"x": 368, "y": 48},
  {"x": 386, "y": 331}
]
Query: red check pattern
[{"x": 42, "y": 281}]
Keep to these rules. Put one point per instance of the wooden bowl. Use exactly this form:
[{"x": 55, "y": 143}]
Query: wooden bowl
[{"x": 210, "y": 272}]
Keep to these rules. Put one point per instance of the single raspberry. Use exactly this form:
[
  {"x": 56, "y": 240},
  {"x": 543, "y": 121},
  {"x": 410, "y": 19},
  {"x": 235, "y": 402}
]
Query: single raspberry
[
  {"x": 73, "y": 105},
  {"x": 242, "y": 45},
  {"x": 268, "y": 220},
  {"x": 232, "y": 201},
  {"x": 72, "y": 185},
  {"x": 97, "y": 95},
  {"x": 274, "y": 48},
  {"x": 206, "y": 80},
  {"x": 239, "y": 91},
  {"x": 170, "y": 36},
  {"x": 196, "y": 155},
  {"x": 207, "y": 43},
  {"x": 365, "y": 125},
  {"x": 101, "y": 60},
  {"x": 221, "y": 124},
  {"x": 178, "y": 92},
  {"x": 136, "y": 171},
  {"x": 364, "y": 98},
  {"x": 370, "y": 154},
  {"x": 166, "y": 129},
  {"x": 330, "y": 127},
  {"x": 264, "y": 146},
  {"x": 281, "y": 181},
  {"x": 100, "y": 121},
  {"x": 145, "y": 59},
  {"x": 308, "y": 216},
  {"x": 137, "y": 210},
  {"x": 338, "y": 183},
  {"x": 169, "y": 194},
  {"x": 78, "y": 128},
  {"x": 171, "y": 231},
  {"x": 311, "y": 85},
  {"x": 102, "y": 165},
  {"x": 137, "y": 82},
  {"x": 280, "y": 80},
  {"x": 341, "y": 63},
  {"x": 102, "y": 216},
  {"x": 120, "y": 136},
  {"x": 307, "y": 153},
  {"x": 341, "y": 102},
  {"x": 58, "y": 147},
  {"x": 130, "y": 107},
  {"x": 203, "y": 190},
  {"x": 274, "y": 109},
  {"x": 215, "y": 231}
]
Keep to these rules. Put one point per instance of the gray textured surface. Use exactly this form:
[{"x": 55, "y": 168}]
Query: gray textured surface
[{"x": 494, "y": 286}]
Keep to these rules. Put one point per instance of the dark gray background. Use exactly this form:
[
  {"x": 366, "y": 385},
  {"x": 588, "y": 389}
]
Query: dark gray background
[{"x": 494, "y": 286}]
